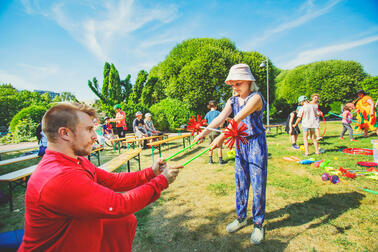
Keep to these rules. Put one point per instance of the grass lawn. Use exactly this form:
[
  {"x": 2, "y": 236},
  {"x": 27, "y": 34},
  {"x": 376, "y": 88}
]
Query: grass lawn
[{"x": 303, "y": 213}]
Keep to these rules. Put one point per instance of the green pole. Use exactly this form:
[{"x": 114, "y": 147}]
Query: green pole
[
  {"x": 190, "y": 160},
  {"x": 180, "y": 151}
]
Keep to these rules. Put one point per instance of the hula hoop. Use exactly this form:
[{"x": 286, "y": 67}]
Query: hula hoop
[
  {"x": 325, "y": 125},
  {"x": 358, "y": 151},
  {"x": 367, "y": 164}
]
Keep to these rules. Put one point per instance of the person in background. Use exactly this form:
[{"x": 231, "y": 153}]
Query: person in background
[
  {"x": 42, "y": 140},
  {"x": 366, "y": 114},
  {"x": 307, "y": 114},
  {"x": 139, "y": 128},
  {"x": 120, "y": 121},
  {"x": 346, "y": 121},
  {"x": 151, "y": 131},
  {"x": 70, "y": 204},
  {"x": 213, "y": 113},
  {"x": 293, "y": 132},
  {"x": 315, "y": 102}
]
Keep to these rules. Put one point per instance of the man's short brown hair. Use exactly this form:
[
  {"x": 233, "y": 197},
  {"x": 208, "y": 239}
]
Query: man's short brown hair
[{"x": 63, "y": 115}]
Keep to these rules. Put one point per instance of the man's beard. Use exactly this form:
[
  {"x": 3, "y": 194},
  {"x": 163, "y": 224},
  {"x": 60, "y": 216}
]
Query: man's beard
[{"x": 81, "y": 151}]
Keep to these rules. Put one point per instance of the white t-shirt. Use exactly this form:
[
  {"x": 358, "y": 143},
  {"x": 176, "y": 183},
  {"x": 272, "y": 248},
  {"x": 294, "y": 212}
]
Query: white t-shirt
[{"x": 309, "y": 114}]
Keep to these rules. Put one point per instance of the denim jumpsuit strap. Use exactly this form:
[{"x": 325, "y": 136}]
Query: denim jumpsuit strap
[{"x": 251, "y": 164}]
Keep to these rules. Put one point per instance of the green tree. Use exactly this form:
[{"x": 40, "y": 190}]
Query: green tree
[
  {"x": 334, "y": 80},
  {"x": 65, "y": 96},
  {"x": 33, "y": 113},
  {"x": 138, "y": 87},
  {"x": 195, "y": 70},
  {"x": 170, "y": 114},
  {"x": 370, "y": 85},
  {"x": 150, "y": 97}
]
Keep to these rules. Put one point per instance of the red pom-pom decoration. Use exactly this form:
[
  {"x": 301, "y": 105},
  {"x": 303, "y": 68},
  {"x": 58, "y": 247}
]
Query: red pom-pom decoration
[
  {"x": 346, "y": 173},
  {"x": 195, "y": 124},
  {"x": 235, "y": 134}
]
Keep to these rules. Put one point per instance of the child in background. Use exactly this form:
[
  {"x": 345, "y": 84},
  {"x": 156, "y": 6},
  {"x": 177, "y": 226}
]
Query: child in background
[
  {"x": 346, "y": 121},
  {"x": 293, "y": 131},
  {"x": 107, "y": 130},
  {"x": 213, "y": 113},
  {"x": 308, "y": 114},
  {"x": 315, "y": 102}
]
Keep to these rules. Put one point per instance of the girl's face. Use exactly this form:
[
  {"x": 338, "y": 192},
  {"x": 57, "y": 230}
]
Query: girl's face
[
  {"x": 315, "y": 98},
  {"x": 241, "y": 87}
]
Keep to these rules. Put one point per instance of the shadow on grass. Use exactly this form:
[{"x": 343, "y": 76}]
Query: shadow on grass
[
  {"x": 330, "y": 206},
  {"x": 174, "y": 233}
]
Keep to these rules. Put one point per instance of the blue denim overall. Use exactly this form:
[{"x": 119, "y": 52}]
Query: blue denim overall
[{"x": 251, "y": 163}]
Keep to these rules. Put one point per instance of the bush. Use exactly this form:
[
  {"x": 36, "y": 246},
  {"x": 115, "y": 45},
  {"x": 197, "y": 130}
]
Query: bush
[
  {"x": 24, "y": 130},
  {"x": 370, "y": 85},
  {"x": 34, "y": 113},
  {"x": 170, "y": 114}
]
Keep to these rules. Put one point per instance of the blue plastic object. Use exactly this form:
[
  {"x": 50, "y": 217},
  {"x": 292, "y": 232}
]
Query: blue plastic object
[{"x": 10, "y": 241}]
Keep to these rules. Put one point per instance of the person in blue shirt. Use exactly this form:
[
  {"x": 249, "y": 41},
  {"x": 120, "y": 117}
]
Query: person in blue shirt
[{"x": 209, "y": 117}]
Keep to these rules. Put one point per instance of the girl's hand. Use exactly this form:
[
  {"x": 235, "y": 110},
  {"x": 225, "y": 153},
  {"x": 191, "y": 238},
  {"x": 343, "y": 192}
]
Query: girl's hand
[
  {"x": 217, "y": 142},
  {"x": 199, "y": 138}
]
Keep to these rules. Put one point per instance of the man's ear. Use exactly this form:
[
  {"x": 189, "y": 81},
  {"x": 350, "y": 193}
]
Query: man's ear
[{"x": 65, "y": 133}]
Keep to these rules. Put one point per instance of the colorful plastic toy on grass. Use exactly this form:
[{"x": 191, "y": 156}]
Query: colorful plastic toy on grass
[
  {"x": 346, "y": 173},
  {"x": 358, "y": 151},
  {"x": 324, "y": 164},
  {"x": 325, "y": 176},
  {"x": 367, "y": 164},
  {"x": 334, "y": 179},
  {"x": 231, "y": 154},
  {"x": 291, "y": 159},
  {"x": 316, "y": 164}
]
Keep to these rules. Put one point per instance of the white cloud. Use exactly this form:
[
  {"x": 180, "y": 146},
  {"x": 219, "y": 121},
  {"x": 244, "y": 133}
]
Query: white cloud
[
  {"x": 97, "y": 25},
  {"x": 327, "y": 51},
  {"x": 311, "y": 13},
  {"x": 16, "y": 81}
]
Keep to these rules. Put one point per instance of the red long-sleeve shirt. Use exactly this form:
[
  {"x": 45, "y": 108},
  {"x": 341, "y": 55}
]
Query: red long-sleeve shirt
[{"x": 66, "y": 200}]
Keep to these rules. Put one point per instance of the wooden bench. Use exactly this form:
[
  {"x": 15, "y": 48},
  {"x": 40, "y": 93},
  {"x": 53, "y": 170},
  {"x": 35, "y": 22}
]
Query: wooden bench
[
  {"x": 156, "y": 144},
  {"x": 20, "y": 177},
  {"x": 118, "y": 141},
  {"x": 18, "y": 159},
  {"x": 133, "y": 141},
  {"x": 96, "y": 153},
  {"x": 277, "y": 126},
  {"x": 18, "y": 149},
  {"x": 121, "y": 159}
]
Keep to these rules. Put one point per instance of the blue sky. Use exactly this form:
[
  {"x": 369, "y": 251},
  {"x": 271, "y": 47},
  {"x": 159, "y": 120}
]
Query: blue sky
[{"x": 59, "y": 45}]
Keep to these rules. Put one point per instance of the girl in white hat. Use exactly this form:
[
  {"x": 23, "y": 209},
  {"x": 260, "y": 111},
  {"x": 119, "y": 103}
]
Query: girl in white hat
[{"x": 251, "y": 160}]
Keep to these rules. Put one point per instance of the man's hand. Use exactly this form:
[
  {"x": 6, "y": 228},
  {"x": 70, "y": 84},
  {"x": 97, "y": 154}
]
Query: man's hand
[
  {"x": 170, "y": 173},
  {"x": 158, "y": 166}
]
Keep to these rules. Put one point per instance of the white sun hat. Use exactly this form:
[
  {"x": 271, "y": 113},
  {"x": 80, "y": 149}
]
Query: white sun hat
[{"x": 239, "y": 72}]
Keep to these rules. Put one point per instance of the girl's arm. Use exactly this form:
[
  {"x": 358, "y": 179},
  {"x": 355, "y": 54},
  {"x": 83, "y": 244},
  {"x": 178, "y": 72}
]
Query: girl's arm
[
  {"x": 218, "y": 121},
  {"x": 253, "y": 104}
]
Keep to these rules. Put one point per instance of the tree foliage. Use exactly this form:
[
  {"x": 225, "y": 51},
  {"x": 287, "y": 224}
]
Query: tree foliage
[
  {"x": 138, "y": 87},
  {"x": 333, "y": 80},
  {"x": 170, "y": 114},
  {"x": 370, "y": 85},
  {"x": 195, "y": 70},
  {"x": 34, "y": 113}
]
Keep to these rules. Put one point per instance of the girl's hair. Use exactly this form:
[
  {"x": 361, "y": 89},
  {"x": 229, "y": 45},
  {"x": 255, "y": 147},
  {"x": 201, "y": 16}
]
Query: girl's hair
[
  {"x": 346, "y": 108},
  {"x": 312, "y": 96}
]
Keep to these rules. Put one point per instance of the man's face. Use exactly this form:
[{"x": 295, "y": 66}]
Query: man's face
[
  {"x": 84, "y": 135},
  {"x": 117, "y": 110},
  {"x": 360, "y": 95}
]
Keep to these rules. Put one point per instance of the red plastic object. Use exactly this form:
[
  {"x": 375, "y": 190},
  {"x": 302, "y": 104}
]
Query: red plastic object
[
  {"x": 235, "y": 134},
  {"x": 195, "y": 124},
  {"x": 367, "y": 164},
  {"x": 358, "y": 151}
]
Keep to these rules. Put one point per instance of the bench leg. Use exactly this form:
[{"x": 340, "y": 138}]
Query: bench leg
[
  {"x": 98, "y": 158},
  {"x": 128, "y": 165},
  {"x": 10, "y": 196},
  {"x": 159, "y": 151},
  {"x": 152, "y": 149},
  {"x": 139, "y": 161}
]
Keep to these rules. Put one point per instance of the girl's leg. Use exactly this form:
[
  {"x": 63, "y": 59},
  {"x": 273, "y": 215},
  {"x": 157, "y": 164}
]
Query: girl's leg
[
  {"x": 316, "y": 144},
  {"x": 293, "y": 140},
  {"x": 305, "y": 142},
  {"x": 350, "y": 131},
  {"x": 343, "y": 131},
  {"x": 258, "y": 174},
  {"x": 242, "y": 183}
]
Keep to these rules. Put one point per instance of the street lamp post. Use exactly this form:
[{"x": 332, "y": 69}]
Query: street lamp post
[{"x": 267, "y": 88}]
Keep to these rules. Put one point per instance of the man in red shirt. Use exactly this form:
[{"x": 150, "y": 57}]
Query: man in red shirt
[{"x": 71, "y": 205}]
